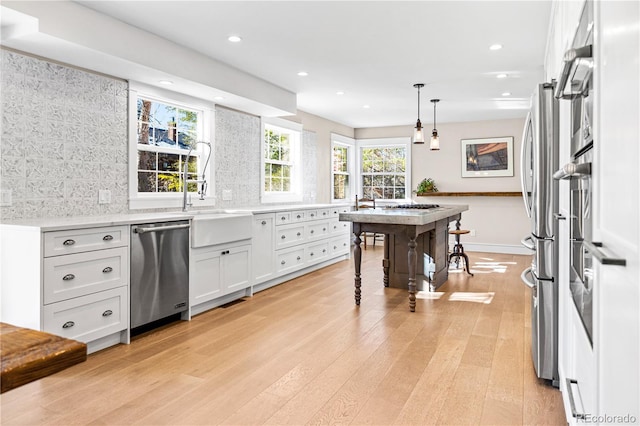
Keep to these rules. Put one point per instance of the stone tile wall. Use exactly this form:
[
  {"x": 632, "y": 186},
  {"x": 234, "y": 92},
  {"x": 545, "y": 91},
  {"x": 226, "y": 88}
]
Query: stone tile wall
[{"x": 64, "y": 138}]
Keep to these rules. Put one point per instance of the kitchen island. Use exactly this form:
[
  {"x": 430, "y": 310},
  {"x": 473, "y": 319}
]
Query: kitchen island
[{"x": 422, "y": 231}]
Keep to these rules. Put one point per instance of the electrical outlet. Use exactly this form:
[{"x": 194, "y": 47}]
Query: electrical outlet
[
  {"x": 104, "y": 196},
  {"x": 227, "y": 195},
  {"x": 5, "y": 198}
]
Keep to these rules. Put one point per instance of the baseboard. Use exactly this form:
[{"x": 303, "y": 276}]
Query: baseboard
[{"x": 497, "y": 248}]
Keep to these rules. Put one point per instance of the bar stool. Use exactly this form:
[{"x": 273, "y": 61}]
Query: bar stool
[{"x": 458, "y": 249}]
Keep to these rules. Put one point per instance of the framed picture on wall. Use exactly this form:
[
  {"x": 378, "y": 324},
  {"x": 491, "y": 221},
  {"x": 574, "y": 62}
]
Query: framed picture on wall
[{"x": 488, "y": 157}]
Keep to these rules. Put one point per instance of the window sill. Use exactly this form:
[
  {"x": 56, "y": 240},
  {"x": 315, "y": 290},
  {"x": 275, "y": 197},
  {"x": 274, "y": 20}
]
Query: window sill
[{"x": 140, "y": 203}]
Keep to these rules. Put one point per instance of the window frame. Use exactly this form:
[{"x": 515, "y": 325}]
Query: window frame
[
  {"x": 350, "y": 144},
  {"x": 296, "y": 176},
  {"x": 206, "y": 112},
  {"x": 386, "y": 143}
]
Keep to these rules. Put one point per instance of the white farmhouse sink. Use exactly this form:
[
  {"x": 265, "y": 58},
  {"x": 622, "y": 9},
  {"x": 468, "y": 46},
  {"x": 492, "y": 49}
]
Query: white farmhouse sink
[{"x": 209, "y": 228}]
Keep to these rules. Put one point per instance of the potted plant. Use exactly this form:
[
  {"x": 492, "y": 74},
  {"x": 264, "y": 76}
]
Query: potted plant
[{"x": 427, "y": 185}]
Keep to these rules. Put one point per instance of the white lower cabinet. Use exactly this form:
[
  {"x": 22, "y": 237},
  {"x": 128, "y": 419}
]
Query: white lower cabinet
[
  {"x": 219, "y": 270},
  {"x": 89, "y": 317},
  {"x": 289, "y": 260},
  {"x": 263, "y": 247}
]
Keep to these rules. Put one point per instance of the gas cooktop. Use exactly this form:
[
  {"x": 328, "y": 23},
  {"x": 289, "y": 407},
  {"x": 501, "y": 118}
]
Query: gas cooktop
[{"x": 415, "y": 206}]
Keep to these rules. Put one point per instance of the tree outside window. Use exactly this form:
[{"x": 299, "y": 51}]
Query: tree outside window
[{"x": 383, "y": 172}]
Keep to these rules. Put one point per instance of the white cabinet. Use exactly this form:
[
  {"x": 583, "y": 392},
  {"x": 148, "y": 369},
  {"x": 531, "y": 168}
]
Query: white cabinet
[
  {"x": 73, "y": 283},
  {"x": 301, "y": 240},
  {"x": 220, "y": 270},
  {"x": 263, "y": 247}
]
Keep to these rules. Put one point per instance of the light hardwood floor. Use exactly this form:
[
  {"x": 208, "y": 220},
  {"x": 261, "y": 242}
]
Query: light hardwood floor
[{"x": 303, "y": 353}]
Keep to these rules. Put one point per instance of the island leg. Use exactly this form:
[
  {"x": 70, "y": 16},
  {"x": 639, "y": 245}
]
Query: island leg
[
  {"x": 413, "y": 264},
  {"x": 385, "y": 262},
  {"x": 357, "y": 260}
]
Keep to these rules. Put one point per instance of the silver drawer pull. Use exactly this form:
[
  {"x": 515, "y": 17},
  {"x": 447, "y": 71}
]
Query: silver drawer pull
[
  {"x": 107, "y": 313},
  {"x": 311, "y": 253},
  {"x": 312, "y": 231},
  {"x": 324, "y": 250},
  {"x": 298, "y": 258},
  {"x": 298, "y": 234},
  {"x": 572, "y": 402},
  {"x": 69, "y": 242},
  {"x": 298, "y": 217},
  {"x": 264, "y": 222},
  {"x": 283, "y": 262},
  {"x": 68, "y": 277},
  {"x": 68, "y": 324},
  {"x": 283, "y": 237},
  {"x": 107, "y": 238},
  {"x": 324, "y": 229},
  {"x": 324, "y": 213},
  {"x": 335, "y": 226},
  {"x": 335, "y": 247},
  {"x": 313, "y": 215},
  {"x": 107, "y": 269},
  {"x": 283, "y": 218}
]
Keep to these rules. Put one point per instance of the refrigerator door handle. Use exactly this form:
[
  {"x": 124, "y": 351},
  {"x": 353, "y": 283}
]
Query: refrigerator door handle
[
  {"x": 523, "y": 166},
  {"x": 524, "y": 279},
  {"x": 531, "y": 246}
]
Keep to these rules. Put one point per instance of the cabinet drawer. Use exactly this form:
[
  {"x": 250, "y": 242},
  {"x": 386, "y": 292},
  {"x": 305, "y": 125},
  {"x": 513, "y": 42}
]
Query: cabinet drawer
[
  {"x": 89, "y": 317},
  {"x": 283, "y": 218},
  {"x": 80, "y": 274},
  {"x": 335, "y": 212},
  {"x": 312, "y": 214},
  {"x": 316, "y": 230},
  {"x": 289, "y": 235},
  {"x": 80, "y": 240},
  {"x": 299, "y": 216},
  {"x": 290, "y": 260},
  {"x": 324, "y": 213},
  {"x": 336, "y": 227},
  {"x": 315, "y": 253},
  {"x": 339, "y": 245}
]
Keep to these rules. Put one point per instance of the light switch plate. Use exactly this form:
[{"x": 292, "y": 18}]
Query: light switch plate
[
  {"x": 104, "y": 196},
  {"x": 5, "y": 198},
  {"x": 227, "y": 195}
]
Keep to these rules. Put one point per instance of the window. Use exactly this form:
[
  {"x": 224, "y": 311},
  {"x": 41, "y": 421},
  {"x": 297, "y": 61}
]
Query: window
[
  {"x": 343, "y": 168},
  {"x": 281, "y": 161},
  {"x": 165, "y": 128},
  {"x": 384, "y": 167}
]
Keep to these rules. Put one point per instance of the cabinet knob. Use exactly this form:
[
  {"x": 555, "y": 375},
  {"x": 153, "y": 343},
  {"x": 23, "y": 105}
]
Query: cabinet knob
[
  {"x": 107, "y": 238},
  {"x": 298, "y": 217},
  {"x": 312, "y": 231},
  {"x": 224, "y": 252},
  {"x": 69, "y": 242},
  {"x": 298, "y": 258},
  {"x": 68, "y": 277},
  {"x": 324, "y": 250},
  {"x": 335, "y": 247},
  {"x": 312, "y": 215},
  {"x": 335, "y": 226},
  {"x": 68, "y": 324},
  {"x": 283, "y": 262},
  {"x": 324, "y": 229},
  {"x": 264, "y": 222},
  {"x": 107, "y": 269},
  {"x": 107, "y": 313},
  {"x": 283, "y": 237},
  {"x": 311, "y": 254},
  {"x": 324, "y": 213},
  {"x": 298, "y": 234},
  {"x": 283, "y": 218}
]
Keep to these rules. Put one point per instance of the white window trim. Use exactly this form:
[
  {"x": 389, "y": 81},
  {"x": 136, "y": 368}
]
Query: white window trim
[
  {"x": 168, "y": 200},
  {"x": 350, "y": 143},
  {"x": 385, "y": 142},
  {"x": 295, "y": 194}
]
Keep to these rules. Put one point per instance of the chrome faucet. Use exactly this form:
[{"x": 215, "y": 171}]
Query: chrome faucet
[{"x": 185, "y": 180}]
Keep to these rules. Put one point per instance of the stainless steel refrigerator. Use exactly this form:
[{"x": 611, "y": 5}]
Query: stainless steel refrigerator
[{"x": 540, "y": 193}]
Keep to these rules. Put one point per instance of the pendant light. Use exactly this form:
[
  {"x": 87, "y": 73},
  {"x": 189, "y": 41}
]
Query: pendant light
[
  {"x": 435, "y": 140},
  {"x": 418, "y": 134}
]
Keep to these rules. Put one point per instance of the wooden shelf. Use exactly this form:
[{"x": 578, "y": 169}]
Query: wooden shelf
[{"x": 470, "y": 194}]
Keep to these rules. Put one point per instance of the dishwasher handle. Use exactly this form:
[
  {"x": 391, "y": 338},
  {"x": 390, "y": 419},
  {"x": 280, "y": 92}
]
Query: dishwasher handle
[{"x": 142, "y": 230}]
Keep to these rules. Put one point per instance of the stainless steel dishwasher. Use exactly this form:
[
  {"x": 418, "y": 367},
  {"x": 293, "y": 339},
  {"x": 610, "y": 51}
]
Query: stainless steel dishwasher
[{"x": 159, "y": 271}]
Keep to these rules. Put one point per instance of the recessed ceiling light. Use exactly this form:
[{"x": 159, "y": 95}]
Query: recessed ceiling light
[
  {"x": 366, "y": 106},
  {"x": 303, "y": 73},
  {"x": 501, "y": 76},
  {"x": 495, "y": 47},
  {"x": 218, "y": 98},
  {"x": 234, "y": 39},
  {"x": 166, "y": 82},
  {"x": 340, "y": 93},
  {"x": 506, "y": 94}
]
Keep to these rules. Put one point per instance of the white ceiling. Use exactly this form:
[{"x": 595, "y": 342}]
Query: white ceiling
[{"x": 374, "y": 51}]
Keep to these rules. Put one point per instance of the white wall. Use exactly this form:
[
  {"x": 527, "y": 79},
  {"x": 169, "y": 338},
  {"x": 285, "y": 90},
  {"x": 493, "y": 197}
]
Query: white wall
[{"x": 499, "y": 222}]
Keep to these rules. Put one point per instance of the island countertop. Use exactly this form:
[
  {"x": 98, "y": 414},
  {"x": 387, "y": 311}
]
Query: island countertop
[{"x": 398, "y": 216}]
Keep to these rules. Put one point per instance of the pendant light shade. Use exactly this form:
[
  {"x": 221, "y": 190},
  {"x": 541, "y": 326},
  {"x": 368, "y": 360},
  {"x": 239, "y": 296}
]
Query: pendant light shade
[
  {"x": 418, "y": 133},
  {"x": 435, "y": 139}
]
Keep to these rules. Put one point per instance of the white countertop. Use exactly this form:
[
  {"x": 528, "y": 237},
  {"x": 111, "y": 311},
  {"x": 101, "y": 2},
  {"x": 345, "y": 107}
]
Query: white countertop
[{"x": 76, "y": 222}]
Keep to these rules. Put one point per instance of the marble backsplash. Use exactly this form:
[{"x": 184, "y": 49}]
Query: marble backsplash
[{"x": 64, "y": 138}]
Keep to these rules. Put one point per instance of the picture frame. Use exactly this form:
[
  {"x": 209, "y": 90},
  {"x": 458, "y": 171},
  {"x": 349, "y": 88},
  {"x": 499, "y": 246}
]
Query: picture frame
[{"x": 487, "y": 157}]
